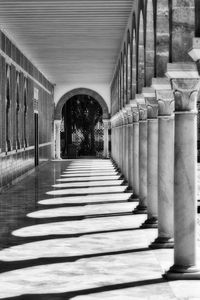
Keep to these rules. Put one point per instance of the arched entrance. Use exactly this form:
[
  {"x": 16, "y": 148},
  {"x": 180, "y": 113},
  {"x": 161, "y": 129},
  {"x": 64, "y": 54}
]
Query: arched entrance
[{"x": 81, "y": 138}]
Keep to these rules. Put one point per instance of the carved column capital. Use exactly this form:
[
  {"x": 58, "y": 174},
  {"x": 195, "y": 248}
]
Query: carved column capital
[
  {"x": 142, "y": 108},
  {"x": 185, "y": 82},
  {"x": 134, "y": 110},
  {"x": 125, "y": 116},
  {"x": 106, "y": 123},
  {"x": 121, "y": 118},
  {"x": 164, "y": 96},
  {"x": 151, "y": 102},
  {"x": 129, "y": 114}
]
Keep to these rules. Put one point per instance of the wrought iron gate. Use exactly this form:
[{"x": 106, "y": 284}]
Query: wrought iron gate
[{"x": 83, "y": 127}]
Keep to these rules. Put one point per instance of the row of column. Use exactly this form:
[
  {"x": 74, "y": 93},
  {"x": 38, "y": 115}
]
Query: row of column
[{"x": 154, "y": 144}]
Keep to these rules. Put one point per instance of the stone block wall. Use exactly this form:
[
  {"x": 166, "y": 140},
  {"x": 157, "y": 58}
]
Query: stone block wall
[{"x": 18, "y": 80}]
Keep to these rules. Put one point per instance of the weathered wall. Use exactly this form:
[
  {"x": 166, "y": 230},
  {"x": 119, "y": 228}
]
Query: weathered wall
[
  {"x": 157, "y": 32},
  {"x": 18, "y": 78}
]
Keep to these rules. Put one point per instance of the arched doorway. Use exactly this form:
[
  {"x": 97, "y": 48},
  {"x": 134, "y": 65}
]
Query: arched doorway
[{"x": 81, "y": 126}]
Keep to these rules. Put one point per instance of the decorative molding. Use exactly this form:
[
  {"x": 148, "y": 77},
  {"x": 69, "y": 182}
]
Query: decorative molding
[
  {"x": 185, "y": 93},
  {"x": 185, "y": 83},
  {"x": 135, "y": 111},
  {"x": 142, "y": 108},
  {"x": 164, "y": 96}
]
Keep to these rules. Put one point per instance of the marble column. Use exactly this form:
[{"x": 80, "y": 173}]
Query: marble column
[
  {"x": 135, "y": 149},
  {"x": 112, "y": 124},
  {"x": 125, "y": 140},
  {"x": 185, "y": 83},
  {"x": 127, "y": 146},
  {"x": 142, "y": 206},
  {"x": 57, "y": 124},
  {"x": 165, "y": 98},
  {"x": 130, "y": 145},
  {"x": 106, "y": 124},
  {"x": 152, "y": 158},
  {"x": 121, "y": 141}
]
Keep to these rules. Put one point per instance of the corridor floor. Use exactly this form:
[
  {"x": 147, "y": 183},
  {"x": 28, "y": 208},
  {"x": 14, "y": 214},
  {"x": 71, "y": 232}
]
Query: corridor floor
[{"x": 67, "y": 232}]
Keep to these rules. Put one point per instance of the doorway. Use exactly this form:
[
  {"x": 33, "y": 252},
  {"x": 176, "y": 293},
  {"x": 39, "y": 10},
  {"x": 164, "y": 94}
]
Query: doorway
[
  {"x": 82, "y": 128},
  {"x": 36, "y": 154}
]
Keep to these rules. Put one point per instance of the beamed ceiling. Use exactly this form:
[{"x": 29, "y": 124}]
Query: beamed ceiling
[{"x": 70, "y": 41}]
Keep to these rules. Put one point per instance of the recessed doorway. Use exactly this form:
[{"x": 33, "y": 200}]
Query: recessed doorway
[{"x": 82, "y": 128}]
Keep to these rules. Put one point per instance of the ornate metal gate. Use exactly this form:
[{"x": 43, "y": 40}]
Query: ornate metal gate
[{"x": 83, "y": 128}]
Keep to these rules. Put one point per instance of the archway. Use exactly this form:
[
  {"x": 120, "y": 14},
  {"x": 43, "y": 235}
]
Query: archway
[{"x": 77, "y": 95}]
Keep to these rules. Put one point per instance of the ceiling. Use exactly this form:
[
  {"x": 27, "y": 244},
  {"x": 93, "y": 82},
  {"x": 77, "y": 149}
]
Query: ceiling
[{"x": 70, "y": 41}]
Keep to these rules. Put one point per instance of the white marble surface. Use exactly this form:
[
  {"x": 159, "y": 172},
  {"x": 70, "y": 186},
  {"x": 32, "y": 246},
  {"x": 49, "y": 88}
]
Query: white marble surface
[
  {"x": 109, "y": 257},
  {"x": 84, "y": 210},
  {"x": 89, "y": 178},
  {"x": 152, "y": 168},
  {"x": 77, "y": 227},
  {"x": 166, "y": 177},
  {"x": 90, "y": 173},
  {"x": 135, "y": 158},
  {"x": 88, "y": 190},
  {"x": 88, "y": 184},
  {"x": 87, "y": 199},
  {"x": 143, "y": 163}
]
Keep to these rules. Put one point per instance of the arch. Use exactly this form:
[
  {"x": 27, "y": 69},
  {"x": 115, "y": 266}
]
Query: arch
[
  {"x": 125, "y": 74},
  {"x": 163, "y": 37},
  {"x": 80, "y": 91},
  {"x": 133, "y": 58},
  {"x": 118, "y": 86},
  {"x": 140, "y": 53},
  {"x": 197, "y": 20},
  {"x": 122, "y": 80},
  {"x": 129, "y": 66},
  {"x": 150, "y": 43}
]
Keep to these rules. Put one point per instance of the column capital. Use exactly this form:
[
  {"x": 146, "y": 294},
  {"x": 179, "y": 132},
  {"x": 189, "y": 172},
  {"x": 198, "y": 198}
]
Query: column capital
[
  {"x": 134, "y": 110},
  {"x": 185, "y": 82},
  {"x": 142, "y": 108},
  {"x": 129, "y": 114},
  {"x": 164, "y": 96},
  {"x": 151, "y": 102},
  {"x": 106, "y": 123},
  {"x": 125, "y": 116}
]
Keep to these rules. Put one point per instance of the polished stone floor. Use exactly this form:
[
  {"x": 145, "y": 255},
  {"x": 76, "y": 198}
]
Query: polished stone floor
[{"x": 67, "y": 232}]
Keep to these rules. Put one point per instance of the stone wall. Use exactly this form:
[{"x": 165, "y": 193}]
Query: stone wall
[{"x": 18, "y": 80}]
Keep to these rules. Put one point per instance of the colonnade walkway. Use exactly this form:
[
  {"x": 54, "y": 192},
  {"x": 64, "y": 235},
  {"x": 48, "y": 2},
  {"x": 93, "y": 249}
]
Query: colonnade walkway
[{"x": 67, "y": 232}]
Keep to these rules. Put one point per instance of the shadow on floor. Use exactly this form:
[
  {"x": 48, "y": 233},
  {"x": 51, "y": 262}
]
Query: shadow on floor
[
  {"x": 101, "y": 289},
  {"x": 16, "y": 265}
]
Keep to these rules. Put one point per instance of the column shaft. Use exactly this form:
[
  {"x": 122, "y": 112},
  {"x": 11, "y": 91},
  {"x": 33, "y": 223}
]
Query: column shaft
[{"x": 185, "y": 82}]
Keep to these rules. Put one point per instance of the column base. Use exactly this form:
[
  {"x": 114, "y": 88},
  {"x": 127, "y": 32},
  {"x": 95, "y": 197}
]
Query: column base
[
  {"x": 140, "y": 209},
  {"x": 150, "y": 223},
  {"x": 182, "y": 273},
  {"x": 133, "y": 198},
  {"x": 162, "y": 242}
]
